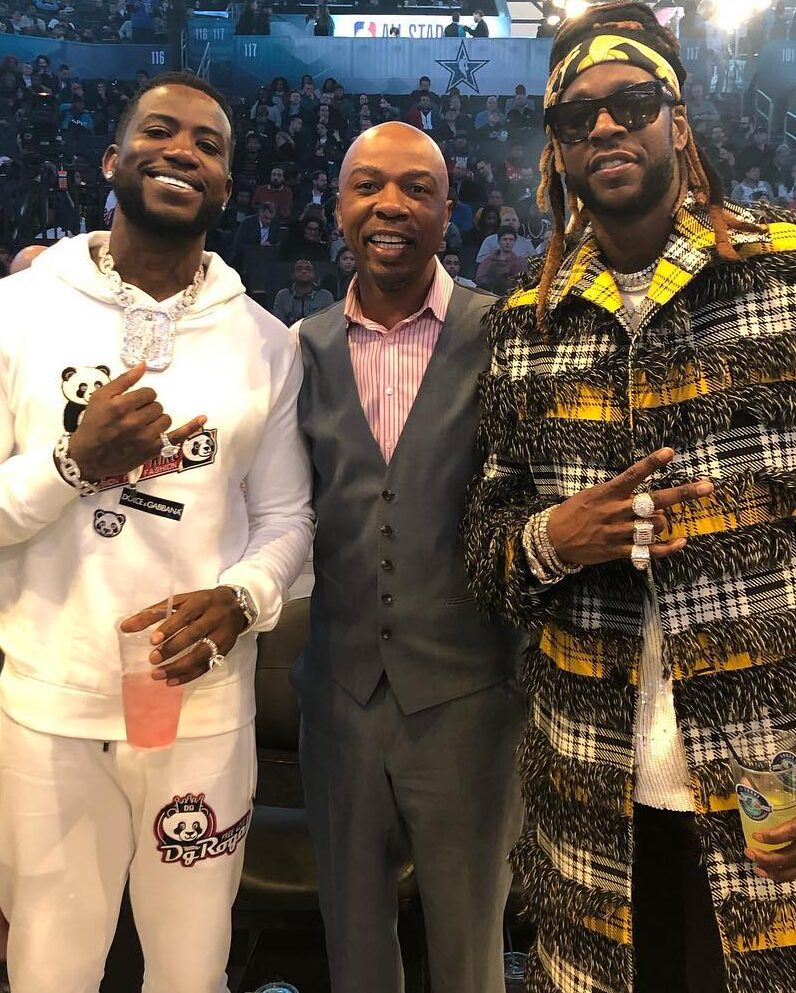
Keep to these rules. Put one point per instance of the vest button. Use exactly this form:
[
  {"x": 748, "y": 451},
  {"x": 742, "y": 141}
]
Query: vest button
[
  {"x": 387, "y": 495},
  {"x": 386, "y": 530},
  {"x": 386, "y": 599},
  {"x": 386, "y": 564},
  {"x": 386, "y": 634}
]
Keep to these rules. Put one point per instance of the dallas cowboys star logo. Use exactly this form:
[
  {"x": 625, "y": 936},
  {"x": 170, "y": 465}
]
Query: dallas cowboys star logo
[{"x": 462, "y": 69}]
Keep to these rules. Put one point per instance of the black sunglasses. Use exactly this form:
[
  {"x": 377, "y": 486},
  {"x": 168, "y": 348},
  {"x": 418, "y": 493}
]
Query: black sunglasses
[{"x": 633, "y": 108}]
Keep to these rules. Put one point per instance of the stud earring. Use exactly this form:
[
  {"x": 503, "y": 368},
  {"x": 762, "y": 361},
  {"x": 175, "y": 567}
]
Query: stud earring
[{"x": 109, "y": 175}]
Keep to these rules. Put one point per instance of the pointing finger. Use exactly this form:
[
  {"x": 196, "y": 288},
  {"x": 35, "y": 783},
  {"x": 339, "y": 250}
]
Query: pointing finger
[
  {"x": 682, "y": 494},
  {"x": 123, "y": 383},
  {"x": 627, "y": 481},
  {"x": 178, "y": 435}
]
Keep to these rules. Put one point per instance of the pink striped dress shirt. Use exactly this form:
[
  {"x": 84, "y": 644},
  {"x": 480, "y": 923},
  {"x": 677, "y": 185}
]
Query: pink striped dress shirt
[{"x": 389, "y": 363}]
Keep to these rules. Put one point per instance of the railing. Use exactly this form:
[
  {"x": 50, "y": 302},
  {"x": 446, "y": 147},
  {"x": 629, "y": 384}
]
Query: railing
[
  {"x": 203, "y": 69},
  {"x": 790, "y": 127},
  {"x": 766, "y": 112}
]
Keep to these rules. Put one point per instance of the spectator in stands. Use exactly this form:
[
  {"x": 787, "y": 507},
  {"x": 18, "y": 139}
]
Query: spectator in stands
[
  {"x": 481, "y": 29},
  {"x": 536, "y": 227},
  {"x": 461, "y": 213},
  {"x": 502, "y": 267},
  {"x": 466, "y": 192},
  {"x": 294, "y": 107},
  {"x": 452, "y": 263},
  {"x": 490, "y": 109},
  {"x": 63, "y": 82},
  {"x": 520, "y": 116},
  {"x": 758, "y": 152},
  {"x": 76, "y": 116},
  {"x": 276, "y": 192},
  {"x": 31, "y": 22},
  {"x": 425, "y": 117},
  {"x": 386, "y": 111},
  {"x": 303, "y": 297},
  {"x": 702, "y": 112},
  {"x": 255, "y": 18},
  {"x": 484, "y": 178},
  {"x": 454, "y": 29},
  {"x": 751, "y": 187},
  {"x": 492, "y": 136},
  {"x": 323, "y": 21},
  {"x": 521, "y": 246},
  {"x": 423, "y": 89},
  {"x": 487, "y": 224},
  {"x": 781, "y": 165},
  {"x": 787, "y": 190},
  {"x": 327, "y": 150},
  {"x": 263, "y": 229},
  {"x": 318, "y": 194},
  {"x": 522, "y": 186},
  {"x": 298, "y": 137},
  {"x": 515, "y": 162},
  {"x": 337, "y": 283},
  {"x": 722, "y": 157},
  {"x": 308, "y": 239},
  {"x": 143, "y": 26}
]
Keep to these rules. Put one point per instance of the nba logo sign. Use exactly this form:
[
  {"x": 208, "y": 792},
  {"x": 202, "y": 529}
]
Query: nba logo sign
[{"x": 364, "y": 27}]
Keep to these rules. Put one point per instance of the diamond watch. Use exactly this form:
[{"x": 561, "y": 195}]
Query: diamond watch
[{"x": 245, "y": 603}]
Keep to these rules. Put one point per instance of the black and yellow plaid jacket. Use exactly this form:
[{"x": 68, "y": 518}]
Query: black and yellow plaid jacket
[{"x": 711, "y": 372}]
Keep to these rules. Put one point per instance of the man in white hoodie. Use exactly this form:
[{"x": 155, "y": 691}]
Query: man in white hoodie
[{"x": 103, "y": 508}]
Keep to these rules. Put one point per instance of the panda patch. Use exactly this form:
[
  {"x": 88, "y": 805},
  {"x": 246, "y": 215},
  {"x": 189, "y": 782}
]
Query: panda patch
[
  {"x": 200, "y": 448},
  {"x": 108, "y": 524},
  {"x": 78, "y": 383}
]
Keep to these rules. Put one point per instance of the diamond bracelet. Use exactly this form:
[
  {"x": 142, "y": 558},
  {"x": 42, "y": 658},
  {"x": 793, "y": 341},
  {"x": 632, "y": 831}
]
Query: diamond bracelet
[
  {"x": 536, "y": 539},
  {"x": 69, "y": 469}
]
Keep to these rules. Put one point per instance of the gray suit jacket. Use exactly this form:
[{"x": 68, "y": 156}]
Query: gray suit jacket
[{"x": 391, "y": 593}]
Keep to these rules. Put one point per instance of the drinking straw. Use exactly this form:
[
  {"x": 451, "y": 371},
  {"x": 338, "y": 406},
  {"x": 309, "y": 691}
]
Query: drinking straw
[
  {"x": 172, "y": 567},
  {"x": 740, "y": 762}
]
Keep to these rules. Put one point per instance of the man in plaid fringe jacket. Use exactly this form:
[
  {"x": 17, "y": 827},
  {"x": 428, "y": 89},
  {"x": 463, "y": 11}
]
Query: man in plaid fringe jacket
[{"x": 658, "y": 356}]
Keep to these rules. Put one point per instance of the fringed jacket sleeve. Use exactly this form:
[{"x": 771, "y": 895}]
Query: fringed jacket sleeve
[{"x": 500, "y": 501}]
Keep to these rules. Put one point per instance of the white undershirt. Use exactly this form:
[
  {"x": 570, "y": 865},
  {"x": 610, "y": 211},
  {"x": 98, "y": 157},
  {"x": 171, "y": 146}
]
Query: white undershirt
[{"x": 661, "y": 767}]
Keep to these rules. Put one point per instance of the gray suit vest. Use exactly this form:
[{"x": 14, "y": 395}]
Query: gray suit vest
[{"x": 391, "y": 591}]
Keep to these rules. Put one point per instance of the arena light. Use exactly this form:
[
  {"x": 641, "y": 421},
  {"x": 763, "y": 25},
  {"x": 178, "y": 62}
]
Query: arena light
[
  {"x": 553, "y": 20},
  {"x": 574, "y": 8},
  {"x": 729, "y": 15}
]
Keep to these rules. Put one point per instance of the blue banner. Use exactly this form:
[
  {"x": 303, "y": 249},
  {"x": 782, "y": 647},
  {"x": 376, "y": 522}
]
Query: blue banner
[
  {"x": 776, "y": 69},
  {"x": 90, "y": 61},
  {"x": 390, "y": 65}
]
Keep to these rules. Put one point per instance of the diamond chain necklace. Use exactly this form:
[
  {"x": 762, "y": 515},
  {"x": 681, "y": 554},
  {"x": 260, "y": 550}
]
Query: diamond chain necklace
[
  {"x": 631, "y": 282},
  {"x": 149, "y": 333}
]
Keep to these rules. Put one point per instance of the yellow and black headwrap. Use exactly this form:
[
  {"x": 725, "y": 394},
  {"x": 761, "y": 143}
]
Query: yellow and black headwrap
[
  {"x": 614, "y": 32},
  {"x": 610, "y": 47}
]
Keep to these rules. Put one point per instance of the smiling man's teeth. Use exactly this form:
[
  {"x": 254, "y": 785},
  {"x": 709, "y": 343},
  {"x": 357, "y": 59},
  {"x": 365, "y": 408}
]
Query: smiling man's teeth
[
  {"x": 613, "y": 163},
  {"x": 173, "y": 181},
  {"x": 385, "y": 239}
]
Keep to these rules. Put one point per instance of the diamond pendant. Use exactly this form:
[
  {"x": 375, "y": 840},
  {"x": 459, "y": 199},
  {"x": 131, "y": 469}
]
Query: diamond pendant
[{"x": 148, "y": 337}]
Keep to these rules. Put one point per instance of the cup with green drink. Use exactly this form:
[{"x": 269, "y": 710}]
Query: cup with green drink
[{"x": 764, "y": 763}]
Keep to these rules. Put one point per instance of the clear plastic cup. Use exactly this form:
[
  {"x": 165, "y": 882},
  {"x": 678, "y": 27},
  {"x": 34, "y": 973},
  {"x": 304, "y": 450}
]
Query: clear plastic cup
[
  {"x": 764, "y": 763},
  {"x": 151, "y": 708}
]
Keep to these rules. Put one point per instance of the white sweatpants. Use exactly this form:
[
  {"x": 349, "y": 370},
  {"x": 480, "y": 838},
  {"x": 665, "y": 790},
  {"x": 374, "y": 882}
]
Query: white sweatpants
[{"x": 78, "y": 816}]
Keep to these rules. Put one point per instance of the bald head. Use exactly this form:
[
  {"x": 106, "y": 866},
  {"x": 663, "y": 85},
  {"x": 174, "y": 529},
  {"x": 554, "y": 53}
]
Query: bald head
[
  {"x": 24, "y": 258},
  {"x": 383, "y": 140},
  {"x": 393, "y": 207}
]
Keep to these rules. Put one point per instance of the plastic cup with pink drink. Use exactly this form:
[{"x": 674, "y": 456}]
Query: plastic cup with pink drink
[{"x": 151, "y": 707}]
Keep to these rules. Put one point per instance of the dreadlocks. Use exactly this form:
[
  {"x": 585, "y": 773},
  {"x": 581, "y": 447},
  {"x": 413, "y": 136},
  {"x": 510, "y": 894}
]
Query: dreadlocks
[{"x": 636, "y": 24}]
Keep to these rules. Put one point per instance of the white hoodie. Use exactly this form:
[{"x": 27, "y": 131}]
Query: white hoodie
[{"x": 71, "y": 566}]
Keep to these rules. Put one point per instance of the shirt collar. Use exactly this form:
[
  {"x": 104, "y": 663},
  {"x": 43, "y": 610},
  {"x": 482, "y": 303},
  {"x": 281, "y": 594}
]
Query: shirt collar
[
  {"x": 690, "y": 248},
  {"x": 437, "y": 299}
]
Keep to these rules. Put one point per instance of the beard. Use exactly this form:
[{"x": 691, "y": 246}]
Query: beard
[
  {"x": 130, "y": 195},
  {"x": 655, "y": 186}
]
